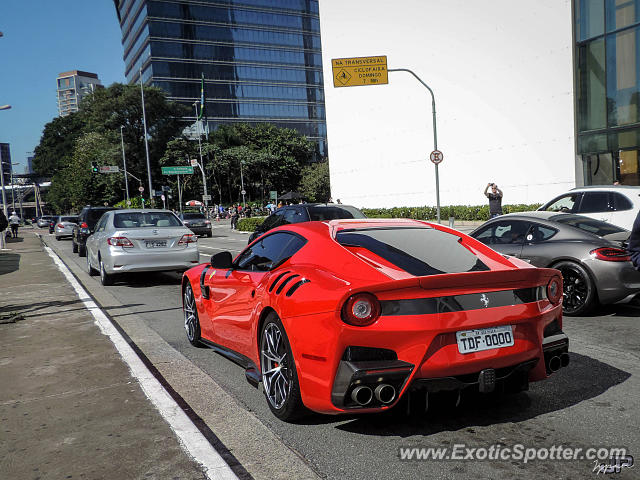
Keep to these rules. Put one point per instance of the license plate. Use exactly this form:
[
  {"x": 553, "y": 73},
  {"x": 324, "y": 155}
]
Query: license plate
[
  {"x": 484, "y": 339},
  {"x": 156, "y": 244}
]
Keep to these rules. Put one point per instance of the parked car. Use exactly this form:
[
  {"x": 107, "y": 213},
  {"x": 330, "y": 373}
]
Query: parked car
[
  {"x": 347, "y": 316},
  {"x": 87, "y": 221},
  {"x": 591, "y": 255},
  {"x": 140, "y": 241},
  {"x": 305, "y": 212},
  {"x": 196, "y": 222},
  {"x": 64, "y": 226},
  {"x": 616, "y": 204},
  {"x": 45, "y": 220}
]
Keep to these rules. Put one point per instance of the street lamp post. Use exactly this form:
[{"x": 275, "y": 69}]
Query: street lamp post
[
  {"x": 201, "y": 165},
  {"x": 244, "y": 204},
  {"x": 13, "y": 197},
  {"x": 435, "y": 133},
  {"x": 124, "y": 161},
  {"x": 146, "y": 143},
  {"x": 4, "y": 195}
]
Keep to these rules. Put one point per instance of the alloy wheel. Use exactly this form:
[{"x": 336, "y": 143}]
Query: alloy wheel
[
  {"x": 576, "y": 289},
  {"x": 191, "y": 322},
  {"x": 276, "y": 374}
]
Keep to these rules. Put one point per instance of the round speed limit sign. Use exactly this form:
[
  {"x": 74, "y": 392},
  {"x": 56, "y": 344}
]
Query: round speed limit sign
[{"x": 436, "y": 157}]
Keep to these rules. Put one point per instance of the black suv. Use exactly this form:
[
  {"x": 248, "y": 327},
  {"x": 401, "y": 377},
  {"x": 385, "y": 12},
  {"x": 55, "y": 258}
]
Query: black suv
[
  {"x": 87, "y": 220},
  {"x": 305, "y": 212}
]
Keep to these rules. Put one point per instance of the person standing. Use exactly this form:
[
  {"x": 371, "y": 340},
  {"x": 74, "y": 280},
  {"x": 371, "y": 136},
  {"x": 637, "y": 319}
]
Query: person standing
[
  {"x": 14, "y": 222},
  {"x": 495, "y": 200},
  {"x": 234, "y": 217}
]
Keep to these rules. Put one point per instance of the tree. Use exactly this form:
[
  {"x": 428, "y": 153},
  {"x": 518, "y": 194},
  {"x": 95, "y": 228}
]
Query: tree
[
  {"x": 56, "y": 144},
  {"x": 76, "y": 185},
  {"x": 315, "y": 183}
]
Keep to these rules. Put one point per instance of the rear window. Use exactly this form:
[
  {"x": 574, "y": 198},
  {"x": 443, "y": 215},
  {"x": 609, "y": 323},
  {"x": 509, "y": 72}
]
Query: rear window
[
  {"x": 145, "y": 219},
  {"x": 318, "y": 212},
  {"x": 94, "y": 215},
  {"x": 418, "y": 251},
  {"x": 69, "y": 219},
  {"x": 191, "y": 216},
  {"x": 587, "y": 224}
]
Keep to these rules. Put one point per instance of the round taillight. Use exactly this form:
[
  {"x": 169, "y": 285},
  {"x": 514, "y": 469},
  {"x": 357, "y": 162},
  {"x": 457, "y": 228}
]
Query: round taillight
[
  {"x": 361, "y": 309},
  {"x": 554, "y": 290}
]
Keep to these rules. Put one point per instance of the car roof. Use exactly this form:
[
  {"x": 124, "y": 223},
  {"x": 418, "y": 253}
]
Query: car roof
[{"x": 605, "y": 187}]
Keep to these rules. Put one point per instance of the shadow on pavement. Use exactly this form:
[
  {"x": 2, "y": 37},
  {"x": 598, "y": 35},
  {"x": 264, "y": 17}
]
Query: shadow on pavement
[
  {"x": 585, "y": 378},
  {"x": 148, "y": 279},
  {"x": 15, "y": 240},
  {"x": 30, "y": 309},
  {"x": 9, "y": 262}
]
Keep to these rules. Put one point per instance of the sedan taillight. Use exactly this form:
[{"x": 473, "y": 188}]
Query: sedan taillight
[
  {"x": 119, "y": 242},
  {"x": 361, "y": 310},
  {"x": 188, "y": 238},
  {"x": 609, "y": 254},
  {"x": 60, "y": 225}
]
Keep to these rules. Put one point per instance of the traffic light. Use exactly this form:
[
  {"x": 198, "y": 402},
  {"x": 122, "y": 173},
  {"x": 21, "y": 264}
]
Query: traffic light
[{"x": 94, "y": 167}]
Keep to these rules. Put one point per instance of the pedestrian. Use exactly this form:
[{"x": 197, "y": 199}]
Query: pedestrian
[
  {"x": 14, "y": 222},
  {"x": 4, "y": 223},
  {"x": 339, "y": 202},
  {"x": 495, "y": 200},
  {"x": 234, "y": 217},
  {"x": 634, "y": 243},
  {"x": 247, "y": 211}
]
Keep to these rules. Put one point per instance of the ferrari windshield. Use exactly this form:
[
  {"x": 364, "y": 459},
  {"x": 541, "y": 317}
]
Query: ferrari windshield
[
  {"x": 145, "y": 219},
  {"x": 418, "y": 251}
]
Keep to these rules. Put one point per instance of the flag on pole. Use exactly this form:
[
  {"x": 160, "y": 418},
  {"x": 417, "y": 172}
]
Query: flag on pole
[{"x": 201, "y": 98}]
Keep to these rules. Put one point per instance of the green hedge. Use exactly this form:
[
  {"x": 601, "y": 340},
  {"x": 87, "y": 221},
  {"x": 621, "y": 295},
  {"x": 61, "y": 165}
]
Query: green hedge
[
  {"x": 459, "y": 212},
  {"x": 249, "y": 224}
]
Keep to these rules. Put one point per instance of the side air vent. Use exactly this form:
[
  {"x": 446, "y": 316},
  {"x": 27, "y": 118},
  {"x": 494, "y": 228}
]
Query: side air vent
[
  {"x": 296, "y": 285},
  {"x": 284, "y": 283},
  {"x": 273, "y": 285}
]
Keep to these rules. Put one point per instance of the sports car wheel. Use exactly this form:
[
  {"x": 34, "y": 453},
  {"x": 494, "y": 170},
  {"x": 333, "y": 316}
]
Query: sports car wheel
[
  {"x": 105, "y": 278},
  {"x": 278, "y": 369},
  {"x": 191, "y": 319},
  {"x": 577, "y": 288},
  {"x": 90, "y": 270}
]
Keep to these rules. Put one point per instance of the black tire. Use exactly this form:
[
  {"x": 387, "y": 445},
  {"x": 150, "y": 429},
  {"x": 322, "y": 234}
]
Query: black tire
[
  {"x": 82, "y": 250},
  {"x": 74, "y": 246},
  {"x": 281, "y": 388},
  {"x": 105, "y": 278},
  {"x": 57, "y": 238},
  {"x": 90, "y": 270},
  {"x": 209, "y": 235},
  {"x": 191, "y": 318},
  {"x": 578, "y": 289}
]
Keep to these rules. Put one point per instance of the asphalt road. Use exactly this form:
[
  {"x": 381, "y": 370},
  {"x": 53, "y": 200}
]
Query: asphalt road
[{"x": 592, "y": 403}]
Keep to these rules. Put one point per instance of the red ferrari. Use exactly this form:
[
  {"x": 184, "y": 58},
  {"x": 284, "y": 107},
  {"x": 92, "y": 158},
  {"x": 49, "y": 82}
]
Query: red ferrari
[{"x": 351, "y": 315}]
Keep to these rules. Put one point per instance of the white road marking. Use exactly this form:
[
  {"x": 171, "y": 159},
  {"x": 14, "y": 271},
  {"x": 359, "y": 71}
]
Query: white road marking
[
  {"x": 191, "y": 439},
  {"x": 221, "y": 249}
]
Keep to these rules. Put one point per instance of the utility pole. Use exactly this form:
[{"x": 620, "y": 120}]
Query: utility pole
[
  {"x": 124, "y": 162},
  {"x": 201, "y": 165},
  {"x": 146, "y": 143}
]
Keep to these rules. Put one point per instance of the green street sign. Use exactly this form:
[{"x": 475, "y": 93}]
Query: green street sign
[
  {"x": 177, "y": 170},
  {"x": 273, "y": 195}
]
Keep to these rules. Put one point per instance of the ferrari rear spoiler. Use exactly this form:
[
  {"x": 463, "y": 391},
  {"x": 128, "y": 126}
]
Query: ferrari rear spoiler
[{"x": 488, "y": 280}]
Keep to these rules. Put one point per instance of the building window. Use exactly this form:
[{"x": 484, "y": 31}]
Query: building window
[{"x": 591, "y": 98}]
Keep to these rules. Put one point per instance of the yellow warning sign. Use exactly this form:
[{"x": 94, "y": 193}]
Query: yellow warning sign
[{"x": 351, "y": 72}]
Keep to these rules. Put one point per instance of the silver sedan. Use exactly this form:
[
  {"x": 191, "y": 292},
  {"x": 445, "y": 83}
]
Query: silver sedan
[
  {"x": 64, "y": 226},
  {"x": 140, "y": 241}
]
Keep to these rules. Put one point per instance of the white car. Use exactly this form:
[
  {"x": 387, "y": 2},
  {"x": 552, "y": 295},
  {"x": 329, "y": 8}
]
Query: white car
[
  {"x": 64, "y": 226},
  {"x": 616, "y": 204},
  {"x": 137, "y": 240}
]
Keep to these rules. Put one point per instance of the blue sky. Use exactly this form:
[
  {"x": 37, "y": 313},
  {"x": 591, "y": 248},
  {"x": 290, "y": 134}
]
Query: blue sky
[{"x": 43, "y": 38}]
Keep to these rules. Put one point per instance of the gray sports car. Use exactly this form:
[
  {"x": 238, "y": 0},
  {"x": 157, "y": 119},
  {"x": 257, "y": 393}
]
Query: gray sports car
[{"x": 591, "y": 255}]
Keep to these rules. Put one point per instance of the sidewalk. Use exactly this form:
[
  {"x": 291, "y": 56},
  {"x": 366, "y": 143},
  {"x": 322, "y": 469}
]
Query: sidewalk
[{"x": 69, "y": 407}]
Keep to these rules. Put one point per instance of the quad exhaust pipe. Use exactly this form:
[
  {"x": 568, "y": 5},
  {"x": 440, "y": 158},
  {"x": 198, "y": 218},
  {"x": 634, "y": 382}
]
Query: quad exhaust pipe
[
  {"x": 385, "y": 393},
  {"x": 362, "y": 395}
]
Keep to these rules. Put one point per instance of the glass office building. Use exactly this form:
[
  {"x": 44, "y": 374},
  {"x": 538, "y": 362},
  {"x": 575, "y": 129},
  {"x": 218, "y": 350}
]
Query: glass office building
[
  {"x": 261, "y": 59},
  {"x": 607, "y": 34}
]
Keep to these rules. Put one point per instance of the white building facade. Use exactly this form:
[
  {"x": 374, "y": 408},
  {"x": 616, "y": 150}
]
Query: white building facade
[
  {"x": 72, "y": 87},
  {"x": 502, "y": 75}
]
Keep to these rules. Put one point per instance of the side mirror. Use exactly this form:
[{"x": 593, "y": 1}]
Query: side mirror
[{"x": 221, "y": 260}]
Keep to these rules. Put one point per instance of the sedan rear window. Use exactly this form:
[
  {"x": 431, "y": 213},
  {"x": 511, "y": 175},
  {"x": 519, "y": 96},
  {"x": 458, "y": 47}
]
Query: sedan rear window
[
  {"x": 191, "y": 216},
  {"x": 69, "y": 219},
  {"x": 418, "y": 251},
  {"x": 587, "y": 224},
  {"x": 145, "y": 219},
  {"x": 317, "y": 212}
]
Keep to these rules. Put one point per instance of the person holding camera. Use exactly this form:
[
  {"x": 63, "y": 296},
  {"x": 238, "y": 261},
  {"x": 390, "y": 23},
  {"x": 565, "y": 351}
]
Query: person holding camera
[{"x": 495, "y": 200}]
